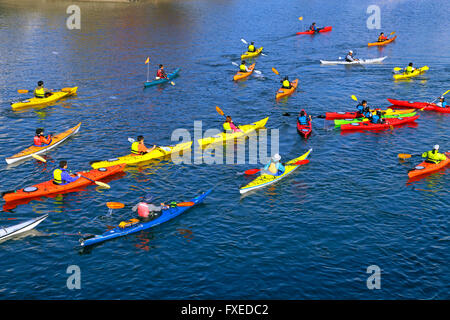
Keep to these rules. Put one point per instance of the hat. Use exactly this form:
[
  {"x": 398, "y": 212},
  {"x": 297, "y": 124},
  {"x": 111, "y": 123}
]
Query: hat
[
  {"x": 350, "y": 51},
  {"x": 276, "y": 157}
]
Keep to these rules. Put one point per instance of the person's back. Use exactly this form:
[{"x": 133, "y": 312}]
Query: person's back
[
  {"x": 39, "y": 91},
  {"x": 251, "y": 48},
  {"x": 433, "y": 156},
  {"x": 286, "y": 83}
]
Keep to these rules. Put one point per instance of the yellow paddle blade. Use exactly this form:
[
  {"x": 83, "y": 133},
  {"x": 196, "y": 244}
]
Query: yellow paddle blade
[
  {"x": 23, "y": 91},
  {"x": 172, "y": 83},
  {"x": 446, "y": 92},
  {"x": 300, "y": 18},
  {"x": 115, "y": 205},
  {"x": 101, "y": 184},
  {"x": 219, "y": 111},
  {"x": 397, "y": 69},
  {"x": 354, "y": 97},
  {"x": 66, "y": 89},
  {"x": 275, "y": 71},
  {"x": 38, "y": 158},
  {"x": 424, "y": 68},
  {"x": 404, "y": 155},
  {"x": 392, "y": 33}
]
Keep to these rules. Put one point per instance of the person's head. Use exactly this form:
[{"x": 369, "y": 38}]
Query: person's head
[
  {"x": 140, "y": 139},
  {"x": 410, "y": 64},
  {"x": 286, "y": 78},
  {"x": 276, "y": 157},
  {"x": 39, "y": 131},
  {"x": 436, "y": 147},
  {"x": 161, "y": 66},
  {"x": 364, "y": 103},
  {"x": 313, "y": 23},
  {"x": 302, "y": 113},
  {"x": 63, "y": 164},
  {"x": 243, "y": 62},
  {"x": 350, "y": 52},
  {"x": 382, "y": 33},
  {"x": 228, "y": 119},
  {"x": 253, "y": 42},
  {"x": 442, "y": 99},
  {"x": 40, "y": 83}
]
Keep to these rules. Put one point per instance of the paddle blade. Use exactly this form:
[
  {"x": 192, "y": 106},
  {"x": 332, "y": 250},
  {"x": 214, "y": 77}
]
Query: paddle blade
[
  {"x": 115, "y": 205},
  {"x": 102, "y": 184},
  {"x": 219, "y": 111},
  {"x": 354, "y": 97},
  {"x": 234, "y": 64},
  {"x": 446, "y": 92},
  {"x": 251, "y": 171},
  {"x": 185, "y": 204},
  {"x": 302, "y": 162},
  {"x": 392, "y": 33},
  {"x": 404, "y": 156},
  {"x": 131, "y": 140},
  {"x": 300, "y": 18},
  {"x": 23, "y": 91},
  {"x": 66, "y": 89},
  {"x": 257, "y": 71},
  {"x": 397, "y": 69},
  {"x": 243, "y": 40},
  {"x": 38, "y": 158},
  {"x": 275, "y": 71},
  {"x": 172, "y": 83}
]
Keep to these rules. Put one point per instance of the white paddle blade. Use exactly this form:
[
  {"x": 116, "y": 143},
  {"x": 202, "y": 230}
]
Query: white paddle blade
[
  {"x": 131, "y": 140},
  {"x": 243, "y": 40}
]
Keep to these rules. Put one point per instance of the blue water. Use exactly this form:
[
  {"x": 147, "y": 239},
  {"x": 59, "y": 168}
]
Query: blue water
[{"x": 311, "y": 236}]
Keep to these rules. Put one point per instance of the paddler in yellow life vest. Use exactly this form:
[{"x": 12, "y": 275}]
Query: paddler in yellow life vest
[
  {"x": 285, "y": 83},
  {"x": 243, "y": 67},
  {"x": 228, "y": 125},
  {"x": 138, "y": 147},
  {"x": 251, "y": 47},
  {"x": 61, "y": 176},
  {"x": 433, "y": 156},
  {"x": 409, "y": 68},
  {"x": 40, "y": 91},
  {"x": 274, "y": 167}
]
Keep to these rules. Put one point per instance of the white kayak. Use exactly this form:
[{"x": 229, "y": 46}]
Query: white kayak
[
  {"x": 6, "y": 232},
  {"x": 361, "y": 61}
]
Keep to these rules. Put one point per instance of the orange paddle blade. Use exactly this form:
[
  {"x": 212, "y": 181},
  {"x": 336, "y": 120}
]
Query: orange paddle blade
[
  {"x": 185, "y": 204},
  {"x": 219, "y": 111},
  {"x": 66, "y": 89},
  {"x": 23, "y": 91},
  {"x": 404, "y": 155},
  {"x": 275, "y": 71},
  {"x": 115, "y": 205}
]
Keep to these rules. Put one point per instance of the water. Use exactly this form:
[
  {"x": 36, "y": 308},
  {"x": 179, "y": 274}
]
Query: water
[{"x": 311, "y": 236}]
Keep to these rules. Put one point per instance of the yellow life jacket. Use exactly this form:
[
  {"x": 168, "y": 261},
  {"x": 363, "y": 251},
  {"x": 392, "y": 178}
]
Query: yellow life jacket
[
  {"x": 39, "y": 92},
  {"x": 286, "y": 84},
  {"x": 226, "y": 126},
  {"x": 434, "y": 157},
  {"x": 251, "y": 48},
  {"x": 409, "y": 69},
  {"x": 135, "y": 148},
  {"x": 242, "y": 68},
  {"x": 273, "y": 168},
  {"x": 57, "y": 176}
]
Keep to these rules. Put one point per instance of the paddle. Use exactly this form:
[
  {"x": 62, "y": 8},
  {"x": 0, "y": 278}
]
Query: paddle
[
  {"x": 99, "y": 183},
  {"x": 253, "y": 171},
  {"x": 436, "y": 98},
  {"x": 407, "y": 155},
  {"x": 26, "y": 91},
  {"x": 114, "y": 205},
  {"x": 38, "y": 158},
  {"x": 254, "y": 70}
]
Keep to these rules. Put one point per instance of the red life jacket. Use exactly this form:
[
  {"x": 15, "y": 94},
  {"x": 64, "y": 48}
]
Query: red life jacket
[
  {"x": 37, "y": 141},
  {"x": 160, "y": 73}
]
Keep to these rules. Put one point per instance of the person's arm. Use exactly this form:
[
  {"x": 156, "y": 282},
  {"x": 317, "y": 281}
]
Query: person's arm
[
  {"x": 425, "y": 154},
  {"x": 280, "y": 167},
  {"x": 442, "y": 157},
  {"x": 65, "y": 176},
  {"x": 234, "y": 128}
]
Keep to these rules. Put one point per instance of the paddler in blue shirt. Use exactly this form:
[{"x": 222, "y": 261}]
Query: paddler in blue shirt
[
  {"x": 442, "y": 103},
  {"x": 303, "y": 119},
  {"x": 376, "y": 118},
  {"x": 61, "y": 176},
  {"x": 360, "y": 109},
  {"x": 274, "y": 167}
]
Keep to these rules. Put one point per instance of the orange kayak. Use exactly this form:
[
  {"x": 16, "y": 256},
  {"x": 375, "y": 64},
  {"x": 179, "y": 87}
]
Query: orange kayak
[
  {"x": 49, "y": 188},
  {"x": 283, "y": 92},
  {"x": 242, "y": 75},
  {"x": 425, "y": 167},
  {"x": 382, "y": 43},
  {"x": 56, "y": 140}
]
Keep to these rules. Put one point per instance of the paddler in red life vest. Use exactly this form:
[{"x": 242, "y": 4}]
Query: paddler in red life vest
[
  {"x": 228, "y": 125},
  {"x": 147, "y": 211},
  {"x": 40, "y": 91},
  {"x": 40, "y": 140},
  {"x": 61, "y": 176},
  {"x": 382, "y": 37},
  {"x": 161, "y": 74},
  {"x": 138, "y": 147}
]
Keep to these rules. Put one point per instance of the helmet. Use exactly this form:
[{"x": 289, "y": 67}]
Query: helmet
[
  {"x": 276, "y": 157},
  {"x": 436, "y": 147},
  {"x": 40, "y": 83}
]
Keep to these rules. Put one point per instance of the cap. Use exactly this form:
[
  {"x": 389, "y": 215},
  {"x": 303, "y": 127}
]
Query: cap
[{"x": 276, "y": 157}]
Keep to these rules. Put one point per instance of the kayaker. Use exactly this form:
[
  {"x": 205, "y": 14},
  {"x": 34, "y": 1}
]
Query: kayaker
[
  {"x": 382, "y": 37},
  {"x": 349, "y": 57},
  {"x": 442, "y": 103},
  {"x": 433, "y": 156},
  {"x": 360, "y": 109},
  {"x": 161, "y": 74},
  {"x": 285, "y": 83},
  {"x": 40, "y": 140},
  {"x": 40, "y": 91},
  {"x": 229, "y": 125},
  {"x": 243, "y": 67},
  {"x": 376, "y": 118},
  {"x": 61, "y": 176},
  {"x": 274, "y": 167},
  {"x": 148, "y": 211},
  {"x": 251, "y": 47},
  {"x": 138, "y": 147},
  {"x": 409, "y": 68},
  {"x": 303, "y": 119},
  {"x": 367, "y": 113},
  {"x": 313, "y": 27}
]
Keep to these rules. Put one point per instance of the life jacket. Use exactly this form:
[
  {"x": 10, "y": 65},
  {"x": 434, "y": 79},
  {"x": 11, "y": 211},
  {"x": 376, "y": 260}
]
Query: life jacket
[
  {"x": 286, "y": 84},
  {"x": 143, "y": 210},
  {"x": 226, "y": 126},
  {"x": 135, "y": 147},
  {"x": 434, "y": 156},
  {"x": 313, "y": 28},
  {"x": 375, "y": 118},
  {"x": 57, "y": 176},
  {"x": 39, "y": 92},
  {"x": 382, "y": 38},
  {"x": 360, "y": 108},
  {"x": 160, "y": 73},
  {"x": 409, "y": 69},
  {"x": 273, "y": 168},
  {"x": 303, "y": 120},
  {"x": 251, "y": 48},
  {"x": 37, "y": 141},
  {"x": 242, "y": 68}
]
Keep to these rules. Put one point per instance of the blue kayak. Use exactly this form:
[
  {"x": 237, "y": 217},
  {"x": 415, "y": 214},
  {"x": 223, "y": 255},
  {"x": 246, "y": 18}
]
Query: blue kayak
[
  {"x": 170, "y": 76},
  {"x": 166, "y": 215}
]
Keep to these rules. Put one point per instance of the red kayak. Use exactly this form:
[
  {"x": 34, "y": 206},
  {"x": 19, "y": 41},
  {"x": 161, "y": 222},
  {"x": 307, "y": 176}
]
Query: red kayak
[
  {"x": 324, "y": 29},
  {"x": 340, "y": 115},
  {"x": 419, "y": 105},
  {"x": 378, "y": 126},
  {"x": 304, "y": 130}
]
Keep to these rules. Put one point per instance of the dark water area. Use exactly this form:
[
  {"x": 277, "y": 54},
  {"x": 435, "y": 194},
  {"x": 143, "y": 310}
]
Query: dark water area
[{"x": 312, "y": 235}]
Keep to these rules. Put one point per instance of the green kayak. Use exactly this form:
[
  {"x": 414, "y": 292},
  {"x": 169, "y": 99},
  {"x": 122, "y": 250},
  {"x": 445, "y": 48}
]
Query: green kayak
[{"x": 339, "y": 122}]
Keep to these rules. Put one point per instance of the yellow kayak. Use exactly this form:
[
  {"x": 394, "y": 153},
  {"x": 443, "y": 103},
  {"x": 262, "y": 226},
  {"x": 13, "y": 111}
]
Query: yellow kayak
[
  {"x": 251, "y": 54},
  {"x": 222, "y": 137},
  {"x": 267, "y": 179},
  {"x": 415, "y": 73},
  {"x": 159, "y": 152},
  {"x": 32, "y": 102}
]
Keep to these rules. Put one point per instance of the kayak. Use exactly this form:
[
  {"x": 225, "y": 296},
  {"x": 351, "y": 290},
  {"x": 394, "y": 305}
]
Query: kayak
[
  {"x": 131, "y": 159},
  {"x": 32, "y": 102},
  {"x": 247, "y": 54},
  {"x": 304, "y": 130},
  {"x": 378, "y": 126},
  {"x": 222, "y": 137},
  {"x": 7, "y": 232},
  {"x": 425, "y": 167},
  {"x": 267, "y": 179},
  {"x": 339, "y": 122},
  {"x": 56, "y": 140},
  {"x": 361, "y": 61},
  {"x": 49, "y": 188},
  {"x": 352, "y": 115},
  {"x": 324, "y": 29},
  {"x": 242, "y": 75},
  {"x": 382, "y": 43},
  {"x": 283, "y": 92},
  {"x": 419, "y": 105},
  {"x": 135, "y": 225},
  {"x": 415, "y": 73},
  {"x": 170, "y": 76}
]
